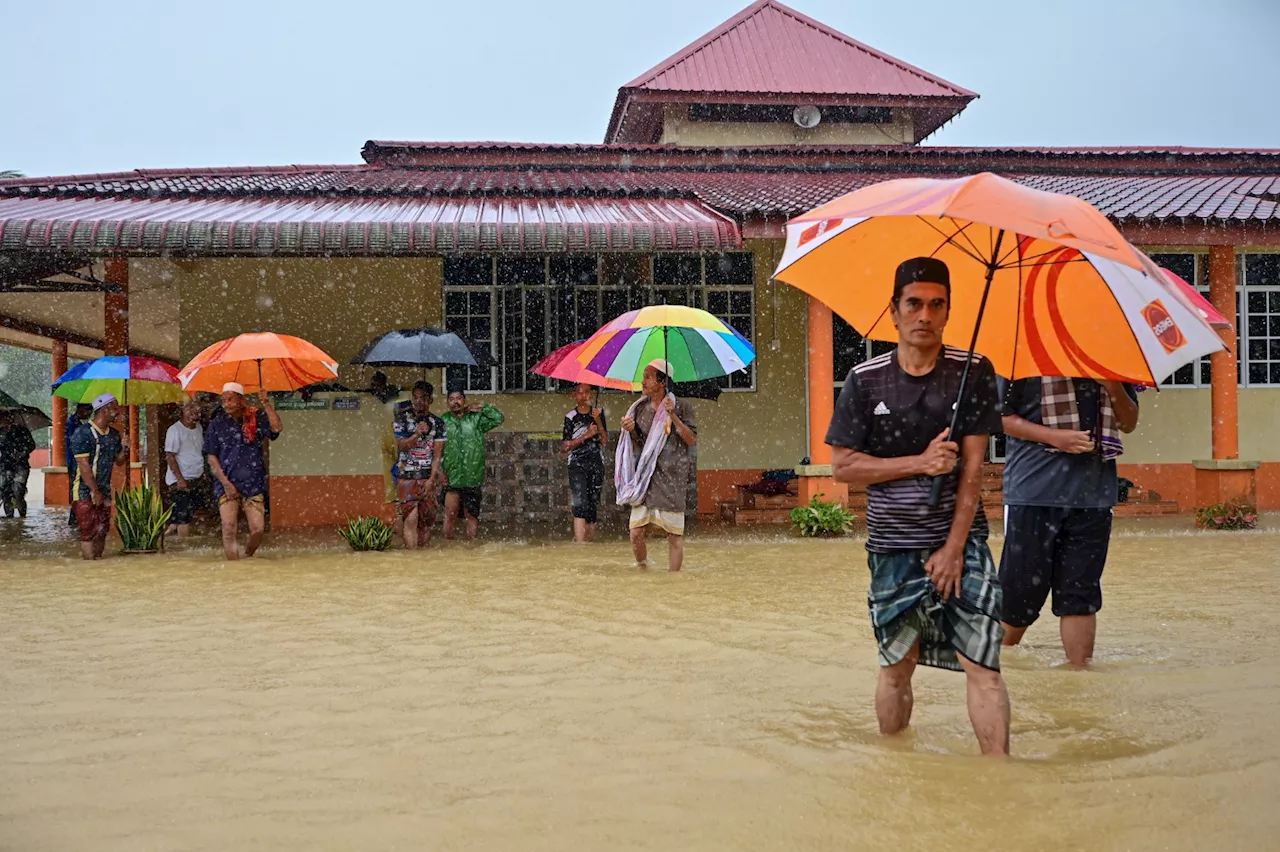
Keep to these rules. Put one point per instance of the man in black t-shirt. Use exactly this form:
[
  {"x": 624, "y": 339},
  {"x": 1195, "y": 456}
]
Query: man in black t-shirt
[{"x": 934, "y": 596}]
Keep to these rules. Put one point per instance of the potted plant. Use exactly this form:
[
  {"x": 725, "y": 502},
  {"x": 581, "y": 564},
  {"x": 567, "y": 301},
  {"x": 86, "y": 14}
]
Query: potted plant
[
  {"x": 367, "y": 533},
  {"x": 1232, "y": 515},
  {"x": 141, "y": 518},
  {"x": 822, "y": 518}
]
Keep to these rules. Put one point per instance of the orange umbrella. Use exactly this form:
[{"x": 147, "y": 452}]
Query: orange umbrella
[
  {"x": 1042, "y": 284},
  {"x": 259, "y": 361}
]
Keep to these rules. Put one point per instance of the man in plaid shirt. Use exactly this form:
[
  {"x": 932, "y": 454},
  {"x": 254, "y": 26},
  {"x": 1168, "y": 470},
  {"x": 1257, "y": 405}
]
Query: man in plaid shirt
[{"x": 1060, "y": 486}]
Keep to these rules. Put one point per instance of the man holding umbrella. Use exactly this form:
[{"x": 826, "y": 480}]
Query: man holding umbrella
[
  {"x": 78, "y": 418},
  {"x": 97, "y": 449},
  {"x": 934, "y": 595},
  {"x": 234, "y": 444},
  {"x": 16, "y": 446}
]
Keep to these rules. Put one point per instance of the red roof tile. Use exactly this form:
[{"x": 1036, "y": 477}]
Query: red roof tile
[
  {"x": 769, "y": 47},
  {"x": 433, "y": 197}
]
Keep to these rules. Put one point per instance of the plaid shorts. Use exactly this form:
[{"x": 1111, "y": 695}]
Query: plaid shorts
[{"x": 905, "y": 607}]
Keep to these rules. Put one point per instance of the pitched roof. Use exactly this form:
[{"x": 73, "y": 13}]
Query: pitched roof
[
  {"x": 415, "y": 198},
  {"x": 769, "y": 50}
]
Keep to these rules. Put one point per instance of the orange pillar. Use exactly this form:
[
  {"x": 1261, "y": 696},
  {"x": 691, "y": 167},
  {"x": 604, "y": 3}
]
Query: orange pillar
[
  {"x": 1226, "y": 477},
  {"x": 1222, "y": 365},
  {"x": 816, "y": 479},
  {"x": 58, "y": 450},
  {"x": 821, "y": 381}
]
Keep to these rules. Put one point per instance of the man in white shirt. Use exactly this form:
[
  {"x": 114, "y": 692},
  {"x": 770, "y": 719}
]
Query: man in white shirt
[{"x": 184, "y": 455}]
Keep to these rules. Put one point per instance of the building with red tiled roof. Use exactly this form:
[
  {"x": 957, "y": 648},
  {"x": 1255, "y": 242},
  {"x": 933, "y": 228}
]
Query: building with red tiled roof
[{"x": 523, "y": 247}]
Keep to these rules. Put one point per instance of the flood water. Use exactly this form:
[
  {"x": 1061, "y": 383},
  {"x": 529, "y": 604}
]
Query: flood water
[{"x": 531, "y": 696}]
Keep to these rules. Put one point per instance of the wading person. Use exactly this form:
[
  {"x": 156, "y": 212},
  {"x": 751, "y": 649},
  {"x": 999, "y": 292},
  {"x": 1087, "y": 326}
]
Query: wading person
[
  {"x": 1060, "y": 486},
  {"x": 78, "y": 418},
  {"x": 585, "y": 440},
  {"x": 97, "y": 449},
  {"x": 16, "y": 447},
  {"x": 652, "y": 467},
  {"x": 464, "y": 457},
  {"x": 934, "y": 596},
  {"x": 420, "y": 439},
  {"x": 184, "y": 473},
  {"x": 234, "y": 444}
]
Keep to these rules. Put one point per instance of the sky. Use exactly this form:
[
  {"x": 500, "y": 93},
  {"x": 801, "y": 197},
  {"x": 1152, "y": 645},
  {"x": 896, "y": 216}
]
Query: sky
[{"x": 98, "y": 87}]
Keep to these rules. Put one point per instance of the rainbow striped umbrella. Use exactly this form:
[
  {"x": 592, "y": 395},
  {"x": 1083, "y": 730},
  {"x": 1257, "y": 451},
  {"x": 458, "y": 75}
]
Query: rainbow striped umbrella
[
  {"x": 131, "y": 379},
  {"x": 696, "y": 344}
]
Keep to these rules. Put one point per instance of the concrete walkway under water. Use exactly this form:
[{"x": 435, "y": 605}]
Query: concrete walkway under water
[{"x": 518, "y": 695}]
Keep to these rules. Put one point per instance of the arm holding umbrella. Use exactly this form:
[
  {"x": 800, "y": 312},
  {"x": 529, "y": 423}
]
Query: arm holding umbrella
[{"x": 273, "y": 416}]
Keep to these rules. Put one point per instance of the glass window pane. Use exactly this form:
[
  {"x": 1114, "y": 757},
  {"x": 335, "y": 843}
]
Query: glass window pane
[
  {"x": 1257, "y": 374},
  {"x": 671, "y": 269},
  {"x": 1257, "y": 326},
  {"x": 1257, "y": 302},
  {"x": 1183, "y": 265},
  {"x": 740, "y": 302},
  {"x": 1273, "y": 323},
  {"x": 850, "y": 348},
  {"x": 1206, "y": 373},
  {"x": 733, "y": 268},
  {"x": 521, "y": 270},
  {"x": 575, "y": 270},
  {"x": 468, "y": 271},
  {"x": 718, "y": 302},
  {"x": 479, "y": 302},
  {"x": 455, "y": 303},
  {"x": 1275, "y": 374},
  {"x": 1261, "y": 269},
  {"x": 1257, "y": 350}
]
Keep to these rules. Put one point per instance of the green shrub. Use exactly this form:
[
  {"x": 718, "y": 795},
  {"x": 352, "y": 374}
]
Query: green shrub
[
  {"x": 821, "y": 518},
  {"x": 367, "y": 533},
  {"x": 1233, "y": 515},
  {"x": 141, "y": 517}
]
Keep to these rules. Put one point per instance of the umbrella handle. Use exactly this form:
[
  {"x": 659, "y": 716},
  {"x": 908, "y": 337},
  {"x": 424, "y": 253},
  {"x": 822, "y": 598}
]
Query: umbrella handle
[{"x": 935, "y": 492}]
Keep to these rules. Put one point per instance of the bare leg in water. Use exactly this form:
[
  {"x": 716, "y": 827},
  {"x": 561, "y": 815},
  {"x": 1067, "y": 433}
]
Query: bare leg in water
[
  {"x": 638, "y": 547},
  {"x": 675, "y": 552},
  {"x": 1078, "y": 632},
  {"x": 257, "y": 527},
  {"x": 988, "y": 702},
  {"x": 894, "y": 698}
]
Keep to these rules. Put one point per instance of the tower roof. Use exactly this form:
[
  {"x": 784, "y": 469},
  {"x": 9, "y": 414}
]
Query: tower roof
[{"x": 771, "y": 50}]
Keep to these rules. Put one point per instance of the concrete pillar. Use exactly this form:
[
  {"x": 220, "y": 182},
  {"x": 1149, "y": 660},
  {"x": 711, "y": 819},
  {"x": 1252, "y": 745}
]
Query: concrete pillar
[
  {"x": 1226, "y": 477},
  {"x": 1222, "y": 365},
  {"x": 115, "y": 320},
  {"x": 815, "y": 479},
  {"x": 57, "y": 489},
  {"x": 58, "y": 450}
]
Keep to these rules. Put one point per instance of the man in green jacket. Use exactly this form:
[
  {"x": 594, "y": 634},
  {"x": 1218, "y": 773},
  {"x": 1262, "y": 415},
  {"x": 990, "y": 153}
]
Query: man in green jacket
[{"x": 465, "y": 425}]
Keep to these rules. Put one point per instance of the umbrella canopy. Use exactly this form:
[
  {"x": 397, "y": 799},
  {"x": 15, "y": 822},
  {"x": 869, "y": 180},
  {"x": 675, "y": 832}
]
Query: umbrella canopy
[
  {"x": 1042, "y": 284},
  {"x": 131, "y": 379},
  {"x": 1200, "y": 303},
  {"x": 30, "y": 416},
  {"x": 695, "y": 343},
  {"x": 259, "y": 361},
  {"x": 422, "y": 347},
  {"x": 561, "y": 364},
  {"x": 8, "y": 402}
]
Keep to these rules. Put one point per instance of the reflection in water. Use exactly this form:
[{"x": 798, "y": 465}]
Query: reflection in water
[{"x": 545, "y": 696}]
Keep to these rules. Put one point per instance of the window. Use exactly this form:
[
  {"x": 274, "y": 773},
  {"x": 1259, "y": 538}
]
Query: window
[
  {"x": 1260, "y": 319},
  {"x": 523, "y": 307},
  {"x": 721, "y": 284},
  {"x": 784, "y": 113},
  {"x": 851, "y": 349}
]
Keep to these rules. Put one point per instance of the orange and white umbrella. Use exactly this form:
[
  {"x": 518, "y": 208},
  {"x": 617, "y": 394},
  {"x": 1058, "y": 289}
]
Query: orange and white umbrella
[
  {"x": 259, "y": 361},
  {"x": 1042, "y": 284}
]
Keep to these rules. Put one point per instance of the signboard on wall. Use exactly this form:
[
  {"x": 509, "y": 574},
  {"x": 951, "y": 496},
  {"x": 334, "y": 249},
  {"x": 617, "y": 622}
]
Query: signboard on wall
[
  {"x": 294, "y": 403},
  {"x": 346, "y": 403}
]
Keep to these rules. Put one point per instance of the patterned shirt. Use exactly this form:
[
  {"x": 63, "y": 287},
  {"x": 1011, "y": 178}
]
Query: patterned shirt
[
  {"x": 589, "y": 453},
  {"x": 101, "y": 449},
  {"x": 886, "y": 412},
  {"x": 418, "y": 461}
]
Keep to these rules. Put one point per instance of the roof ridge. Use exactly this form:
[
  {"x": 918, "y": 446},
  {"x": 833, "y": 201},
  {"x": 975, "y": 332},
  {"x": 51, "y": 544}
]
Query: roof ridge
[{"x": 198, "y": 171}]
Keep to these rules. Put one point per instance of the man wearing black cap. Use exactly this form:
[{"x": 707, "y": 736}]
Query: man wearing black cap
[{"x": 934, "y": 596}]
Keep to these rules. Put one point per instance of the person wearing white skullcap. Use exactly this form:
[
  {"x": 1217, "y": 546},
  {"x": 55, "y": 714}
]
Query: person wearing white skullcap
[
  {"x": 661, "y": 500},
  {"x": 234, "y": 444},
  {"x": 97, "y": 449}
]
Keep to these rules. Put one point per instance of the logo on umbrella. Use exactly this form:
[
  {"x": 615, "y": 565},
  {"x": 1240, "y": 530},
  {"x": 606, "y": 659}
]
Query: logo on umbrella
[
  {"x": 1166, "y": 330},
  {"x": 812, "y": 232}
]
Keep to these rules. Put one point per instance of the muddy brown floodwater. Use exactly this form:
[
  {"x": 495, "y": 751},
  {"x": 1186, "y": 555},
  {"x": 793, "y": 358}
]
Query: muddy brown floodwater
[{"x": 532, "y": 696}]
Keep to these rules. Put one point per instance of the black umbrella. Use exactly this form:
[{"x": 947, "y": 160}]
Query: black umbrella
[
  {"x": 422, "y": 347},
  {"x": 32, "y": 418}
]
